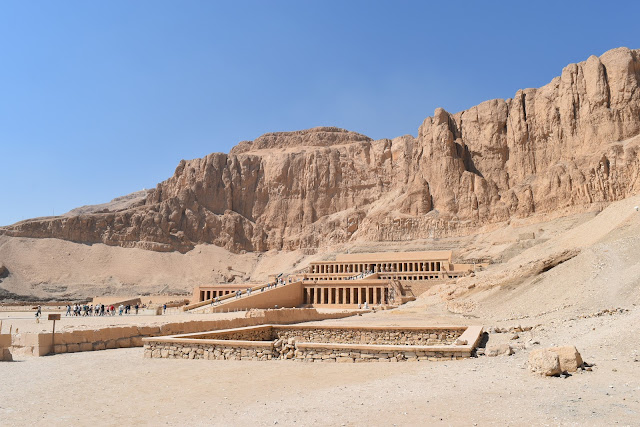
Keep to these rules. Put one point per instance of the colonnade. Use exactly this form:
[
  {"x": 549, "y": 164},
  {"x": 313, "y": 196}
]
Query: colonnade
[
  {"x": 349, "y": 267},
  {"x": 207, "y": 295},
  {"x": 346, "y": 295}
]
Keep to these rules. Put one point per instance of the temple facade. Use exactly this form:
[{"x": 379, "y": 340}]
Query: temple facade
[
  {"x": 354, "y": 280},
  {"x": 427, "y": 265}
]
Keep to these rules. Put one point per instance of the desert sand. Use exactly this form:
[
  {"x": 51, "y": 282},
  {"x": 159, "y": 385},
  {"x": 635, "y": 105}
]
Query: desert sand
[{"x": 120, "y": 387}]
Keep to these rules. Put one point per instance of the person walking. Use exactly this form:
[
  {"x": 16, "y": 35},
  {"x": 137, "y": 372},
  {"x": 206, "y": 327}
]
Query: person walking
[{"x": 164, "y": 308}]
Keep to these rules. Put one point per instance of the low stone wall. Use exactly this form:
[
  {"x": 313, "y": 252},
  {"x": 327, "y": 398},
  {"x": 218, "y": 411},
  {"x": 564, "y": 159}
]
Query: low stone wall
[
  {"x": 275, "y": 342},
  {"x": 392, "y": 336},
  {"x": 40, "y": 344},
  {"x": 320, "y": 353},
  {"x": 332, "y": 334}
]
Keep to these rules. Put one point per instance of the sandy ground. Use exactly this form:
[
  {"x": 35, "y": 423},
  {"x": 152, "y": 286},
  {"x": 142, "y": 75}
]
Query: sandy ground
[{"x": 121, "y": 387}]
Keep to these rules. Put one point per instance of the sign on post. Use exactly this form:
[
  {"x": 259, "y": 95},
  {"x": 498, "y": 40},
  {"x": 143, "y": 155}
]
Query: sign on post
[{"x": 54, "y": 317}]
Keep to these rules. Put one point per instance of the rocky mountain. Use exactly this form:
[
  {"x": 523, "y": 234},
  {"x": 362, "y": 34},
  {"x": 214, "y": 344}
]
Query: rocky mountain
[{"x": 569, "y": 144}]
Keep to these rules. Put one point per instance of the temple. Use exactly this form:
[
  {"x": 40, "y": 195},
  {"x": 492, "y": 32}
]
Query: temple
[{"x": 351, "y": 280}]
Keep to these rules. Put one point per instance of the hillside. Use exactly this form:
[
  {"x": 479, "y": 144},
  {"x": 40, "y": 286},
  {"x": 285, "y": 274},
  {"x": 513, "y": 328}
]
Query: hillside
[{"x": 569, "y": 146}]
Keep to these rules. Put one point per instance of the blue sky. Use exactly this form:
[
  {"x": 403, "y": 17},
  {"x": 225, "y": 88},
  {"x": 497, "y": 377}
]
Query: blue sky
[{"x": 100, "y": 99}]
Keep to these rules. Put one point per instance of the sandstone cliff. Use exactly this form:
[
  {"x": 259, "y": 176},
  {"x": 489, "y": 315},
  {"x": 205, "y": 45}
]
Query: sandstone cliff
[{"x": 571, "y": 143}]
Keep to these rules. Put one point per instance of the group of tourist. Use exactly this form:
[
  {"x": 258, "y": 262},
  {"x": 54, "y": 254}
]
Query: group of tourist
[
  {"x": 361, "y": 275},
  {"x": 100, "y": 310}
]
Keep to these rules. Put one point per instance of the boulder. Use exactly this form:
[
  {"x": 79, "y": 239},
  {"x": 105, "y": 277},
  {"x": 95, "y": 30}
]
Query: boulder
[
  {"x": 544, "y": 362},
  {"x": 570, "y": 358},
  {"x": 493, "y": 350}
]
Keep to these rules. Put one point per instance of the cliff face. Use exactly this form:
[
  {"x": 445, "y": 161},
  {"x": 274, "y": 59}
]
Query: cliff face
[{"x": 570, "y": 143}]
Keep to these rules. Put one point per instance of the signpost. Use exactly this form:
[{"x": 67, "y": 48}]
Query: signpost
[{"x": 54, "y": 317}]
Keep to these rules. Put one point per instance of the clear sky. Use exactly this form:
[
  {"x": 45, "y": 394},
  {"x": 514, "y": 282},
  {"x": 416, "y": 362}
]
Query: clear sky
[{"x": 102, "y": 98}]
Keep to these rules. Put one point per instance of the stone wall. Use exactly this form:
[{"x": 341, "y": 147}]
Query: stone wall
[
  {"x": 246, "y": 334},
  {"x": 319, "y": 354},
  {"x": 203, "y": 351},
  {"x": 299, "y": 352},
  {"x": 371, "y": 336},
  {"x": 328, "y": 344},
  {"x": 391, "y": 336},
  {"x": 40, "y": 344}
]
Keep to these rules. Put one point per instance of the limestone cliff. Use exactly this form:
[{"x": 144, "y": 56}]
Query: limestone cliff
[{"x": 571, "y": 143}]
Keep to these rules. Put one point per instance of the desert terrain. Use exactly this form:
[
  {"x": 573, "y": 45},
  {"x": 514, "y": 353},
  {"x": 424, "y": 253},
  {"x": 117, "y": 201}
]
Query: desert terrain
[
  {"x": 543, "y": 186},
  {"x": 591, "y": 300}
]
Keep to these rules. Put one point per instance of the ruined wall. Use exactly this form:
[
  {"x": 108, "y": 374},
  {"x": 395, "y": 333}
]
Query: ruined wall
[{"x": 320, "y": 344}]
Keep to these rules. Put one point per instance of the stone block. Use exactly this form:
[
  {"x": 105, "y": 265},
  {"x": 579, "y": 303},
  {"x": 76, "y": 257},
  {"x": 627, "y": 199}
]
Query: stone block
[
  {"x": 148, "y": 331},
  {"x": 5, "y": 355},
  {"x": 493, "y": 350},
  {"x": 5, "y": 340},
  {"x": 544, "y": 362},
  {"x": 110, "y": 344},
  {"x": 86, "y": 346},
  {"x": 123, "y": 342},
  {"x": 569, "y": 357},
  {"x": 99, "y": 345},
  {"x": 136, "y": 341},
  {"x": 73, "y": 348}
]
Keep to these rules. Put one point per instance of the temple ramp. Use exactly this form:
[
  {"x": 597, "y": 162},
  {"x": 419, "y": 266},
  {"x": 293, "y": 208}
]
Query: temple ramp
[{"x": 287, "y": 295}]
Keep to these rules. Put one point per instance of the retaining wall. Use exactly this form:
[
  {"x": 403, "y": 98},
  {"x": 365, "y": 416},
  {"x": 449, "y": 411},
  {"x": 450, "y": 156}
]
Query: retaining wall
[
  {"x": 40, "y": 344},
  {"x": 288, "y": 343}
]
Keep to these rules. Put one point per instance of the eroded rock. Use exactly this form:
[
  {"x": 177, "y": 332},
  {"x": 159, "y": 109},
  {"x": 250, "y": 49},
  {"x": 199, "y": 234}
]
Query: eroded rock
[
  {"x": 544, "y": 362},
  {"x": 570, "y": 143}
]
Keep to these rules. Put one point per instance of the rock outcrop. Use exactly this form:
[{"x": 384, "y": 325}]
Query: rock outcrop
[{"x": 571, "y": 143}]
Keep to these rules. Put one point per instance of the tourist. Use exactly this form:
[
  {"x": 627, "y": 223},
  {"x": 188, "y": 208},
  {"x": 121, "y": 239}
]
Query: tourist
[
  {"x": 164, "y": 309},
  {"x": 112, "y": 310},
  {"x": 136, "y": 307},
  {"x": 38, "y": 312},
  {"x": 68, "y": 310}
]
